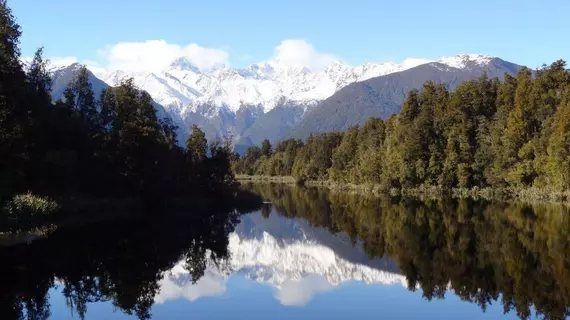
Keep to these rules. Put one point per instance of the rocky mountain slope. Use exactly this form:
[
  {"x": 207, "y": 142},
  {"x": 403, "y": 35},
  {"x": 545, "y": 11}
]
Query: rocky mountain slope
[{"x": 383, "y": 96}]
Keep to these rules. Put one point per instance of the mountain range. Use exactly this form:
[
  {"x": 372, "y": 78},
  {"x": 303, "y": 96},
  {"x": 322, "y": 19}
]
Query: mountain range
[{"x": 274, "y": 100}]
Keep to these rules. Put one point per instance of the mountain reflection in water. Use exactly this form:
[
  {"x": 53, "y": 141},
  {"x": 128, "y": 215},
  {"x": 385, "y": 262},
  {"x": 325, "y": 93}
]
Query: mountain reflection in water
[{"x": 307, "y": 243}]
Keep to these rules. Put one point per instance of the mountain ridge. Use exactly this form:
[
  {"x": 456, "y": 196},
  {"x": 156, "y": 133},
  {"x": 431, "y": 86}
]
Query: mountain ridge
[
  {"x": 250, "y": 104},
  {"x": 383, "y": 96}
]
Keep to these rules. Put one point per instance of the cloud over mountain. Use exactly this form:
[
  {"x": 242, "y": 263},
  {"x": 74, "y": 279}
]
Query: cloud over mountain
[
  {"x": 293, "y": 53},
  {"x": 155, "y": 55}
]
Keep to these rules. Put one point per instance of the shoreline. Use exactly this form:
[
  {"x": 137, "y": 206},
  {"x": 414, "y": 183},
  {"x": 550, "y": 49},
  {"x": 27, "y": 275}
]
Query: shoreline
[
  {"x": 76, "y": 210},
  {"x": 535, "y": 195}
]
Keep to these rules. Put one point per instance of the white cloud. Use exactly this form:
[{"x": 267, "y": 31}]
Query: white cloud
[
  {"x": 154, "y": 55},
  {"x": 301, "y": 53},
  {"x": 300, "y": 292},
  {"x": 179, "y": 286}
]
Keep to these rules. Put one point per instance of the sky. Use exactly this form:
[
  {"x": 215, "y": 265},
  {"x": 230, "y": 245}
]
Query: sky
[{"x": 148, "y": 33}]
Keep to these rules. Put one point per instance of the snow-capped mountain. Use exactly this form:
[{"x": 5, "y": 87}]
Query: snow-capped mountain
[
  {"x": 62, "y": 75},
  {"x": 183, "y": 86},
  {"x": 288, "y": 254},
  {"x": 229, "y": 101},
  {"x": 383, "y": 96}
]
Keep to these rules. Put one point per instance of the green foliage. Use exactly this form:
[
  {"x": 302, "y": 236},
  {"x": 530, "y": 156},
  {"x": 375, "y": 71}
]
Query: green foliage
[
  {"x": 27, "y": 212},
  {"x": 29, "y": 205},
  {"x": 559, "y": 149},
  {"x": 486, "y": 133},
  {"x": 316, "y": 156},
  {"x": 343, "y": 157},
  {"x": 111, "y": 146},
  {"x": 196, "y": 145},
  {"x": 266, "y": 148},
  {"x": 14, "y": 115},
  {"x": 368, "y": 160}
]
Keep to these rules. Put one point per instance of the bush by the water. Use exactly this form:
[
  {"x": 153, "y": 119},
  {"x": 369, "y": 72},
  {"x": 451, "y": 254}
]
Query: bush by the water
[{"x": 30, "y": 205}]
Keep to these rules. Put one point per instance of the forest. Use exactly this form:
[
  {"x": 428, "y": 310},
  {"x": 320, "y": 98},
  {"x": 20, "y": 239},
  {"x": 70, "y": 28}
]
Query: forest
[
  {"x": 488, "y": 133},
  {"x": 110, "y": 146}
]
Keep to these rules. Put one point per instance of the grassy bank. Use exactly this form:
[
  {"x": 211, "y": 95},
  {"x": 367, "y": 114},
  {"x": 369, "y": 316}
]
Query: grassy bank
[
  {"x": 257, "y": 178},
  {"x": 29, "y": 215},
  {"x": 428, "y": 192}
]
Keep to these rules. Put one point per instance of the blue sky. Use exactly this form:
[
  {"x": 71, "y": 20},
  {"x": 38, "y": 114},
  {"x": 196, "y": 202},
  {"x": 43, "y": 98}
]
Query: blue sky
[{"x": 241, "y": 32}]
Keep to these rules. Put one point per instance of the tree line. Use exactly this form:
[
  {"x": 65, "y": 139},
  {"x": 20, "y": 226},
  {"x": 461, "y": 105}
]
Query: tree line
[
  {"x": 110, "y": 145},
  {"x": 484, "y": 252},
  {"x": 494, "y": 133}
]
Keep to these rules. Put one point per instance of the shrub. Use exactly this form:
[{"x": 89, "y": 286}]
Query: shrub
[{"x": 30, "y": 205}]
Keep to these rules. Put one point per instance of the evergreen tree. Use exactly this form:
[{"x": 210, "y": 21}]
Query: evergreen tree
[
  {"x": 39, "y": 98},
  {"x": 39, "y": 80},
  {"x": 368, "y": 162},
  {"x": 559, "y": 149},
  {"x": 85, "y": 101},
  {"x": 392, "y": 160},
  {"x": 108, "y": 105},
  {"x": 343, "y": 157},
  {"x": 266, "y": 148},
  {"x": 495, "y": 174},
  {"x": 13, "y": 110},
  {"x": 197, "y": 145},
  {"x": 520, "y": 131}
]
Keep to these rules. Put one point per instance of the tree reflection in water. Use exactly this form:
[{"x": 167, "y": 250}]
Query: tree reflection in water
[
  {"x": 119, "y": 261},
  {"x": 484, "y": 252},
  {"x": 518, "y": 254}
]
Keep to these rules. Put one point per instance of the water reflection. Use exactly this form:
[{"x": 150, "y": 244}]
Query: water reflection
[
  {"x": 483, "y": 252},
  {"x": 300, "y": 260},
  {"x": 122, "y": 262},
  {"x": 306, "y": 244}
]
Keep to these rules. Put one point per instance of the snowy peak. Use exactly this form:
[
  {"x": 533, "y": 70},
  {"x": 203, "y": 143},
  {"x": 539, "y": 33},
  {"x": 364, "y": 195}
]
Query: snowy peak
[
  {"x": 185, "y": 86},
  {"x": 260, "y": 71},
  {"x": 216, "y": 98},
  {"x": 183, "y": 64},
  {"x": 466, "y": 61}
]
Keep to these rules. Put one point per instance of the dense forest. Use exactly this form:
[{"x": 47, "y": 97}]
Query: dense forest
[
  {"x": 486, "y": 134},
  {"x": 113, "y": 145},
  {"x": 485, "y": 252}
]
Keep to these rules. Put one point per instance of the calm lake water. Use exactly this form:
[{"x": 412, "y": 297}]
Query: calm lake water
[{"x": 306, "y": 254}]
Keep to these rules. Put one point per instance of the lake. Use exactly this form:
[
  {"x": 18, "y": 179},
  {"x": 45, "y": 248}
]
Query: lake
[{"x": 307, "y": 253}]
